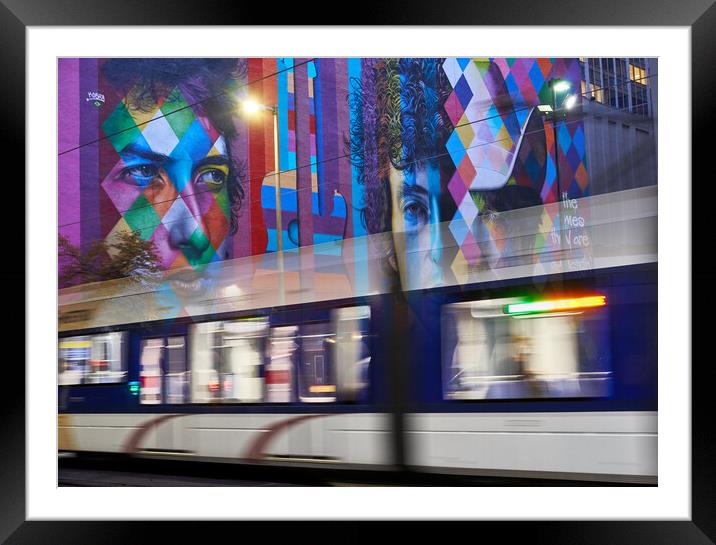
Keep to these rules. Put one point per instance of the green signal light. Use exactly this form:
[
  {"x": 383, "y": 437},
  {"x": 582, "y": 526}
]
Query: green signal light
[
  {"x": 527, "y": 308},
  {"x": 556, "y": 305},
  {"x": 134, "y": 388}
]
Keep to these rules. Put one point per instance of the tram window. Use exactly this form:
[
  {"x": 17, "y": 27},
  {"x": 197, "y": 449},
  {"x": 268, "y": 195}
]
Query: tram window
[
  {"x": 163, "y": 373},
  {"x": 150, "y": 372},
  {"x": 228, "y": 361},
  {"x": 487, "y": 354},
  {"x": 92, "y": 359},
  {"x": 177, "y": 374},
  {"x": 352, "y": 352},
  {"x": 282, "y": 364},
  {"x": 316, "y": 378}
]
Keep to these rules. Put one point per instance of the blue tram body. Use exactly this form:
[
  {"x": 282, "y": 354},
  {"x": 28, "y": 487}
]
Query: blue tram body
[
  {"x": 625, "y": 339},
  {"x": 403, "y": 398}
]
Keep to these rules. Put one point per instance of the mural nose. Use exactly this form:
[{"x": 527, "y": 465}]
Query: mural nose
[
  {"x": 187, "y": 232},
  {"x": 180, "y": 233}
]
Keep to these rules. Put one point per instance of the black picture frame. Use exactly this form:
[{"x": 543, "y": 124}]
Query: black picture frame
[{"x": 699, "y": 15}]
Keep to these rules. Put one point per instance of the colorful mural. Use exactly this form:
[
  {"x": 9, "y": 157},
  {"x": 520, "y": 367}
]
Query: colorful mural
[{"x": 451, "y": 158}]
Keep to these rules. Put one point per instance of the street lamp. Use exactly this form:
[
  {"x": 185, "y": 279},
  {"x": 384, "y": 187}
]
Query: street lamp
[
  {"x": 558, "y": 86},
  {"x": 251, "y": 107}
]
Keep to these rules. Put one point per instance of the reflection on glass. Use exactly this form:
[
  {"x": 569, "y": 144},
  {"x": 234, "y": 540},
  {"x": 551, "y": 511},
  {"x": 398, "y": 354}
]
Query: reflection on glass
[
  {"x": 490, "y": 355},
  {"x": 91, "y": 359},
  {"x": 352, "y": 349},
  {"x": 235, "y": 361},
  {"x": 227, "y": 361},
  {"x": 177, "y": 375},
  {"x": 280, "y": 369},
  {"x": 316, "y": 379},
  {"x": 150, "y": 372},
  {"x": 163, "y": 374}
]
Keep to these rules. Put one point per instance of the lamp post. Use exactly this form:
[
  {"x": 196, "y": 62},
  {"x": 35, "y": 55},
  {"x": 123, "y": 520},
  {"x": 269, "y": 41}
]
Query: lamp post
[
  {"x": 251, "y": 107},
  {"x": 558, "y": 86}
]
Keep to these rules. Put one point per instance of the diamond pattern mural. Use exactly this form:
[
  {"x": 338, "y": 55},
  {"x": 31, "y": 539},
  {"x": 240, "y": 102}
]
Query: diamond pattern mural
[
  {"x": 165, "y": 184},
  {"x": 177, "y": 166},
  {"x": 499, "y": 141}
]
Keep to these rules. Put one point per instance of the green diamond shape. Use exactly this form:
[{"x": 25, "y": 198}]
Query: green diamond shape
[
  {"x": 222, "y": 198},
  {"x": 195, "y": 259},
  {"x": 178, "y": 113},
  {"x": 120, "y": 128},
  {"x": 142, "y": 217}
]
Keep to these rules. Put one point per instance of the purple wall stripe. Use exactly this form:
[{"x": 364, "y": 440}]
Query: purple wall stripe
[
  {"x": 89, "y": 153},
  {"x": 303, "y": 153},
  {"x": 329, "y": 132},
  {"x": 68, "y": 137}
]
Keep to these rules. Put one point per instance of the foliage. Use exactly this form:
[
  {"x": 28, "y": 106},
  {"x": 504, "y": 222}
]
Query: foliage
[{"x": 127, "y": 256}]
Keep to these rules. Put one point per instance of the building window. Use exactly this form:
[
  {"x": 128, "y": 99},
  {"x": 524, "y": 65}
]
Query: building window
[
  {"x": 637, "y": 74},
  {"x": 92, "y": 359},
  {"x": 639, "y": 99}
]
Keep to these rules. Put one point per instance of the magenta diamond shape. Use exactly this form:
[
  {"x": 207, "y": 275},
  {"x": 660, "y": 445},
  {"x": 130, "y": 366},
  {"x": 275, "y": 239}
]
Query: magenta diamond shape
[
  {"x": 453, "y": 108},
  {"x": 457, "y": 187},
  {"x": 470, "y": 249},
  {"x": 121, "y": 191}
]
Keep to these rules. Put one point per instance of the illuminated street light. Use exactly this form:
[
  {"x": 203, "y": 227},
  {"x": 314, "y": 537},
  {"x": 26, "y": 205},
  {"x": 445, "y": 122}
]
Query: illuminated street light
[
  {"x": 559, "y": 85},
  {"x": 251, "y": 107}
]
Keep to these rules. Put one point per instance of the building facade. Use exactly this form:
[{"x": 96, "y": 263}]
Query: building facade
[{"x": 620, "y": 109}]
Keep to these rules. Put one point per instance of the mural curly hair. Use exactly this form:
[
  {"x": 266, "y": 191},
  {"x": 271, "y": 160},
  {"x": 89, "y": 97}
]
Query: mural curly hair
[
  {"x": 397, "y": 120},
  {"x": 212, "y": 83}
]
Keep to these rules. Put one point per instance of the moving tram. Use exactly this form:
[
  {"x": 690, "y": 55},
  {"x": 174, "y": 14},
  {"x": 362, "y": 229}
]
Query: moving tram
[{"x": 539, "y": 368}]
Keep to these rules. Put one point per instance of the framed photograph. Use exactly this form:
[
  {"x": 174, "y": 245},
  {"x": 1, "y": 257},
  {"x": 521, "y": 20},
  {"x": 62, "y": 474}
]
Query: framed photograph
[{"x": 52, "y": 51}]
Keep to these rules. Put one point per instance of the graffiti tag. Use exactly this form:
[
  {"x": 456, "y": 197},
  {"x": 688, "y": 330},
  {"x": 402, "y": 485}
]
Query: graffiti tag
[{"x": 95, "y": 98}]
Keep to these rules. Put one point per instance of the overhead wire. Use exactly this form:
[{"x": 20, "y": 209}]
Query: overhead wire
[
  {"x": 295, "y": 191},
  {"x": 272, "y": 174},
  {"x": 185, "y": 107},
  {"x": 316, "y": 163}
]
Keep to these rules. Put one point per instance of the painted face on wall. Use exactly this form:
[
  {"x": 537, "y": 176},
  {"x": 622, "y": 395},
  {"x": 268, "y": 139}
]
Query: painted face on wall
[
  {"x": 416, "y": 226},
  {"x": 171, "y": 180}
]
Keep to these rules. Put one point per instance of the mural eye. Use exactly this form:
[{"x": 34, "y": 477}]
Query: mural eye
[
  {"x": 213, "y": 178},
  {"x": 415, "y": 213},
  {"x": 141, "y": 173}
]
